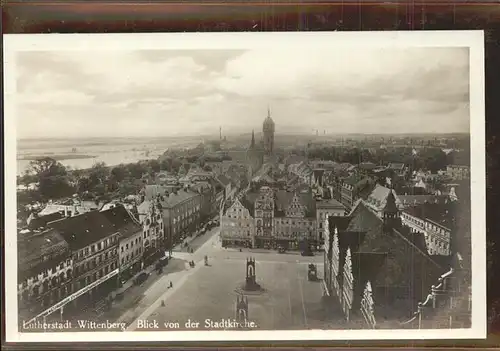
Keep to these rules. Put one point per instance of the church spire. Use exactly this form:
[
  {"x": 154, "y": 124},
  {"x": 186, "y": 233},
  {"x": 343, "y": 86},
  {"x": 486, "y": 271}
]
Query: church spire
[
  {"x": 252, "y": 144},
  {"x": 390, "y": 213},
  {"x": 268, "y": 112}
]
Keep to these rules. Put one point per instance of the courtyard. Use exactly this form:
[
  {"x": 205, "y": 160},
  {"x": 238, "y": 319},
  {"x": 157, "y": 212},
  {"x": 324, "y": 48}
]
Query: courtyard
[{"x": 288, "y": 300}]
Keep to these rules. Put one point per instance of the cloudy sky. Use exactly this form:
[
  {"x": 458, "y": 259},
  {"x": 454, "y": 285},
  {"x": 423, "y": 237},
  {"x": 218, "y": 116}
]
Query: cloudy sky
[{"x": 172, "y": 92}]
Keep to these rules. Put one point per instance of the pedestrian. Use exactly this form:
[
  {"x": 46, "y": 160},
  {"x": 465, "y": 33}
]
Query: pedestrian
[{"x": 171, "y": 285}]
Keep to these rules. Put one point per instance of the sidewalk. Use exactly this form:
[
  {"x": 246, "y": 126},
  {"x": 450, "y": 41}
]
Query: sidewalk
[{"x": 149, "y": 304}]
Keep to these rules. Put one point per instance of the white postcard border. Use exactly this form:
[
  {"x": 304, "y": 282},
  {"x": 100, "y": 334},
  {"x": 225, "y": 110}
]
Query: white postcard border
[{"x": 474, "y": 40}]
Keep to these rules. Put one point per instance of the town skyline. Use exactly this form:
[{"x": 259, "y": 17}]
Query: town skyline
[{"x": 189, "y": 92}]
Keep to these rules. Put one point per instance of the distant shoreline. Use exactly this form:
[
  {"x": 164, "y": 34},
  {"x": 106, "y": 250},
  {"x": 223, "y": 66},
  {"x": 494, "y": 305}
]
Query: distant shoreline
[{"x": 55, "y": 157}]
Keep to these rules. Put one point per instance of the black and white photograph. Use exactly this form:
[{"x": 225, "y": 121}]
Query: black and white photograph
[{"x": 245, "y": 186}]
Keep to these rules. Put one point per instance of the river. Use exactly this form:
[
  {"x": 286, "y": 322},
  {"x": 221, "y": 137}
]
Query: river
[{"x": 83, "y": 153}]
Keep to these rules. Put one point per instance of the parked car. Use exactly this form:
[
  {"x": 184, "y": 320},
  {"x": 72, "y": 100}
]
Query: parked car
[
  {"x": 307, "y": 253},
  {"x": 141, "y": 278}
]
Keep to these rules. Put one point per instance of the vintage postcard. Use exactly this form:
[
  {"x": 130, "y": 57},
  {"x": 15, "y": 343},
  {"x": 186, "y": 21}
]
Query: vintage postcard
[{"x": 245, "y": 186}]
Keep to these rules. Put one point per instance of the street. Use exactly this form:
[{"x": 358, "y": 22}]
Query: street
[{"x": 289, "y": 300}]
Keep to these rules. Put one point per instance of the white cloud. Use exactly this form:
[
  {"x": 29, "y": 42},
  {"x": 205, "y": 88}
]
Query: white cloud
[{"x": 127, "y": 93}]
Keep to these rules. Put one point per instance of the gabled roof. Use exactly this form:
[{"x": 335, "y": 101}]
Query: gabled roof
[
  {"x": 284, "y": 198},
  {"x": 85, "y": 229},
  {"x": 378, "y": 197}
]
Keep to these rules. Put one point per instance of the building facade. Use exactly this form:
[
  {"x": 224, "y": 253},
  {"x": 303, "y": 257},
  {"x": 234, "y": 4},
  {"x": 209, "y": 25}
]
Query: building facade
[
  {"x": 264, "y": 217},
  {"x": 238, "y": 226},
  {"x": 155, "y": 238},
  {"x": 294, "y": 220},
  {"x": 180, "y": 213},
  {"x": 93, "y": 242},
  {"x": 430, "y": 220},
  {"x": 130, "y": 246},
  {"x": 458, "y": 172},
  {"x": 45, "y": 272}
]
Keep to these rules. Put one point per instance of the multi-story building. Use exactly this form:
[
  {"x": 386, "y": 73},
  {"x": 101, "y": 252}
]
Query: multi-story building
[
  {"x": 264, "y": 214},
  {"x": 45, "y": 272},
  {"x": 208, "y": 198},
  {"x": 324, "y": 209},
  {"x": 458, "y": 172},
  {"x": 130, "y": 247},
  {"x": 181, "y": 213},
  {"x": 238, "y": 225},
  {"x": 353, "y": 188},
  {"x": 433, "y": 221},
  {"x": 294, "y": 223},
  {"x": 156, "y": 236},
  {"x": 93, "y": 242}
]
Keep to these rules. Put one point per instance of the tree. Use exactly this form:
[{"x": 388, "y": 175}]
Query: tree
[
  {"x": 99, "y": 173},
  {"x": 155, "y": 166},
  {"x": 52, "y": 178},
  {"x": 46, "y": 167},
  {"x": 118, "y": 173}
]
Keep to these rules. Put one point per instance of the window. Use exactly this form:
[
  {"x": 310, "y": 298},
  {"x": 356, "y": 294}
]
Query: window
[{"x": 122, "y": 248}]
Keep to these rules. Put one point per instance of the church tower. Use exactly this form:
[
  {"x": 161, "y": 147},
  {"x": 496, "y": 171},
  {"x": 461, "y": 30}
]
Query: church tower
[
  {"x": 254, "y": 157},
  {"x": 391, "y": 213},
  {"x": 268, "y": 131}
]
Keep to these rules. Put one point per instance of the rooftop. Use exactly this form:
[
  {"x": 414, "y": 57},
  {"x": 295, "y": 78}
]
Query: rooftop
[
  {"x": 85, "y": 229},
  {"x": 284, "y": 198},
  {"x": 122, "y": 221},
  {"x": 330, "y": 203},
  {"x": 439, "y": 213},
  {"x": 172, "y": 199},
  {"x": 36, "y": 222},
  {"x": 40, "y": 251}
]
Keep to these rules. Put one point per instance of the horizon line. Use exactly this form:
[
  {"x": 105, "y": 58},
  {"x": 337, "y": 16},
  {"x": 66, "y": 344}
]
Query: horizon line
[{"x": 236, "y": 134}]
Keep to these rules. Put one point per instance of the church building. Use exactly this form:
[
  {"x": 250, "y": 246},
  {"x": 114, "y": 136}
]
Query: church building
[
  {"x": 260, "y": 153},
  {"x": 377, "y": 269}
]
